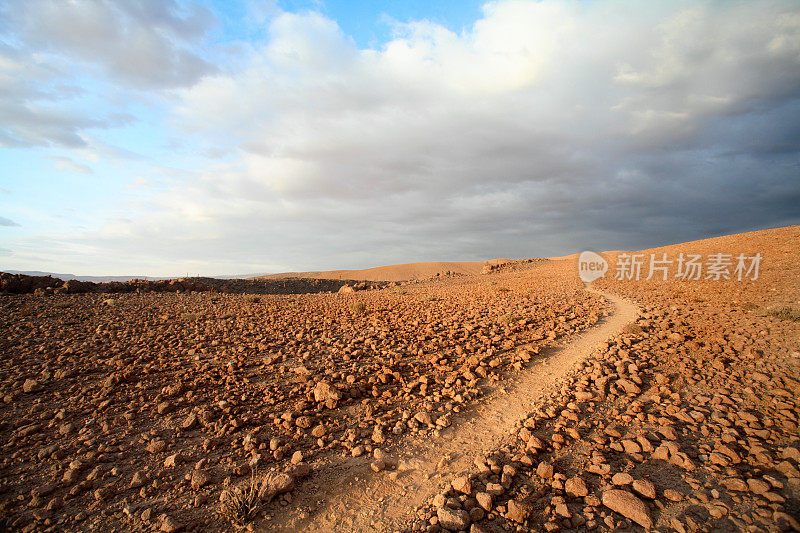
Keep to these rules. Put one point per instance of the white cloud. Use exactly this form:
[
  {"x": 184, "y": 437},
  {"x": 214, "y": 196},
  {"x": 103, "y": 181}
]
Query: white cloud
[
  {"x": 65, "y": 163},
  {"x": 547, "y": 127}
]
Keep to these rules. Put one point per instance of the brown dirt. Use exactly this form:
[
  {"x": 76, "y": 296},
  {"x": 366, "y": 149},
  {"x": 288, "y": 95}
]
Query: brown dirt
[
  {"x": 686, "y": 420},
  {"x": 361, "y": 500}
]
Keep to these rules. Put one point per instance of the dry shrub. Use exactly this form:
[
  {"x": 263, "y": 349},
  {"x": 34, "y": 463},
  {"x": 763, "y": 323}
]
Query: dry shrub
[
  {"x": 632, "y": 328},
  {"x": 785, "y": 313},
  {"x": 239, "y": 505},
  {"x": 358, "y": 308}
]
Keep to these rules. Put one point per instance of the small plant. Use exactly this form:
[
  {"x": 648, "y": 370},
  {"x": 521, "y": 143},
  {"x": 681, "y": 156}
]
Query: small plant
[
  {"x": 505, "y": 320},
  {"x": 632, "y": 328},
  {"x": 785, "y": 313},
  {"x": 358, "y": 308},
  {"x": 240, "y": 504}
]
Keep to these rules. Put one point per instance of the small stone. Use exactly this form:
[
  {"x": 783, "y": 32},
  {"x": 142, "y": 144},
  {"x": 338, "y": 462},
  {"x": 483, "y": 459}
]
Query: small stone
[
  {"x": 621, "y": 478},
  {"x": 172, "y": 460},
  {"x": 645, "y": 488},
  {"x": 629, "y": 506},
  {"x": 138, "y": 480},
  {"x": 758, "y": 486},
  {"x": 576, "y": 486},
  {"x": 452, "y": 519},
  {"x": 462, "y": 484},
  {"x": 274, "y": 483},
  {"x": 484, "y": 500},
  {"x": 673, "y": 495},
  {"x": 156, "y": 446},
  {"x": 30, "y": 385},
  {"x": 199, "y": 478},
  {"x": 517, "y": 511},
  {"x": 170, "y": 525},
  {"x": 164, "y": 407},
  {"x": 544, "y": 470},
  {"x": 297, "y": 457}
]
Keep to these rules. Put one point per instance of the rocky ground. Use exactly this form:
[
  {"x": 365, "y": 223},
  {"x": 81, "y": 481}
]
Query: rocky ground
[
  {"x": 688, "y": 421},
  {"x": 138, "y": 411}
]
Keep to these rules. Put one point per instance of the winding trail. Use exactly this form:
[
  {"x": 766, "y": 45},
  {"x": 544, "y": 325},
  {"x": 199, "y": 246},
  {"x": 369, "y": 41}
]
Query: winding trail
[{"x": 360, "y": 500}]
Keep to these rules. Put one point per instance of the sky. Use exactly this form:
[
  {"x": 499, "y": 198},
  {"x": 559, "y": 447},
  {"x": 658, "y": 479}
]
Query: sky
[{"x": 164, "y": 137}]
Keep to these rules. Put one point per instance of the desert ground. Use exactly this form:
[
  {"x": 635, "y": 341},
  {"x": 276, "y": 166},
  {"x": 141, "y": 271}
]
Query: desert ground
[{"x": 502, "y": 396}]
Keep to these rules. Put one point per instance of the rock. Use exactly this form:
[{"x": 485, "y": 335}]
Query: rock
[
  {"x": 785, "y": 521},
  {"x": 576, "y": 487},
  {"x": 758, "y": 486},
  {"x": 30, "y": 385},
  {"x": 156, "y": 446},
  {"x": 544, "y": 470},
  {"x": 629, "y": 386},
  {"x": 645, "y": 488},
  {"x": 346, "y": 289},
  {"x": 734, "y": 484},
  {"x": 165, "y": 407},
  {"x": 274, "y": 483},
  {"x": 621, "y": 478},
  {"x": 325, "y": 392},
  {"x": 172, "y": 460},
  {"x": 190, "y": 422},
  {"x": 378, "y": 465},
  {"x": 170, "y": 525},
  {"x": 199, "y": 478},
  {"x": 297, "y": 457},
  {"x": 517, "y": 511},
  {"x": 673, "y": 495},
  {"x": 484, "y": 500},
  {"x": 138, "y": 480},
  {"x": 452, "y": 519},
  {"x": 629, "y": 506},
  {"x": 462, "y": 484}
]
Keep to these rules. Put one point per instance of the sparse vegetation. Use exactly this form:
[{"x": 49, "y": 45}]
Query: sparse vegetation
[
  {"x": 358, "y": 308},
  {"x": 239, "y": 505},
  {"x": 785, "y": 313},
  {"x": 633, "y": 328}
]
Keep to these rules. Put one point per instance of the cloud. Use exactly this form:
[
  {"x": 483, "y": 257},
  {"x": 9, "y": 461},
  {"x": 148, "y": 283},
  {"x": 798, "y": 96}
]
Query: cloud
[
  {"x": 145, "y": 44},
  {"x": 7, "y": 222},
  {"x": 545, "y": 128},
  {"x": 63, "y": 64},
  {"x": 65, "y": 163}
]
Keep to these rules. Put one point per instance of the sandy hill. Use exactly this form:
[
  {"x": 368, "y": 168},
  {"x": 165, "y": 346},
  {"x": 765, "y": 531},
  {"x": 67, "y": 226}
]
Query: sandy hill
[{"x": 402, "y": 272}]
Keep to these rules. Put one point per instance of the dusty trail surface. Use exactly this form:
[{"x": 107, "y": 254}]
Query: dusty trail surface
[{"x": 363, "y": 501}]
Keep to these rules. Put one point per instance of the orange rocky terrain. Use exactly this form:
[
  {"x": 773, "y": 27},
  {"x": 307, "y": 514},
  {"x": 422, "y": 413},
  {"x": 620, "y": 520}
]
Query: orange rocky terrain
[
  {"x": 685, "y": 421},
  {"x": 515, "y": 400},
  {"x": 141, "y": 411}
]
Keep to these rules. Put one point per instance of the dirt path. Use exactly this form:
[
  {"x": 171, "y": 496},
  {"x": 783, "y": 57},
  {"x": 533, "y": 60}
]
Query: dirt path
[{"x": 358, "y": 500}]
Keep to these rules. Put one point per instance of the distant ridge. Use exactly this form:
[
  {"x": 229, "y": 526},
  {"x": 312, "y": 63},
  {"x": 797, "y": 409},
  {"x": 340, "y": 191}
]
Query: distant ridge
[{"x": 401, "y": 272}]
